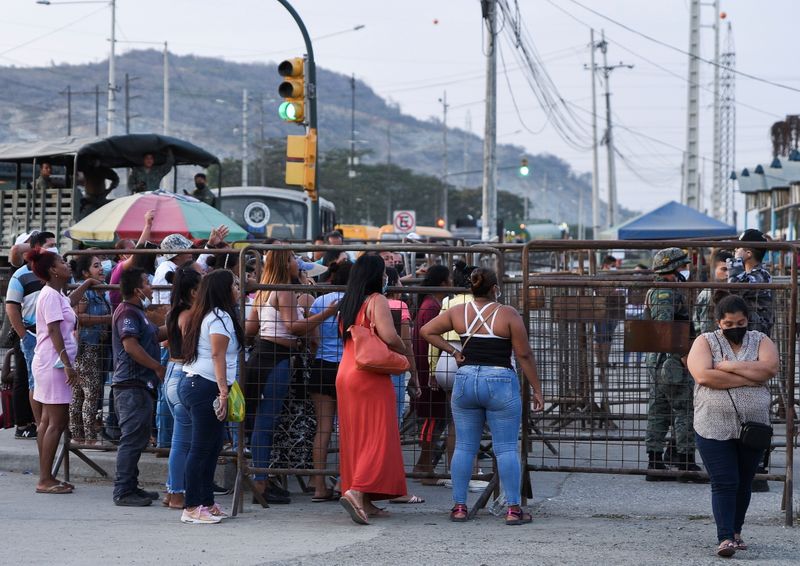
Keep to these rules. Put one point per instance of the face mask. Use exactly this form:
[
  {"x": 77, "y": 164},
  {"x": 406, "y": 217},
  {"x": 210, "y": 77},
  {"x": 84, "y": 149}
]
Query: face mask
[
  {"x": 735, "y": 335},
  {"x": 385, "y": 286},
  {"x": 685, "y": 275},
  {"x": 200, "y": 186},
  {"x": 108, "y": 265},
  {"x": 498, "y": 295},
  {"x": 53, "y": 250},
  {"x": 145, "y": 301}
]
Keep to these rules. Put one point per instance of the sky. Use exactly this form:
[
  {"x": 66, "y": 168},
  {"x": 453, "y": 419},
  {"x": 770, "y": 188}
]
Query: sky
[{"x": 411, "y": 52}]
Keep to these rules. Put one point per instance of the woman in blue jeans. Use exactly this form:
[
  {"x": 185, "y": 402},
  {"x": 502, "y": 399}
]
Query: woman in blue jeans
[
  {"x": 212, "y": 339},
  {"x": 185, "y": 282},
  {"x": 486, "y": 388},
  {"x": 277, "y": 319},
  {"x": 731, "y": 367}
]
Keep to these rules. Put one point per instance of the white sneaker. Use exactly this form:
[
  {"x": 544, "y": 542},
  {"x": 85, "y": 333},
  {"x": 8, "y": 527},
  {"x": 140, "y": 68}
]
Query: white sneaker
[
  {"x": 216, "y": 511},
  {"x": 199, "y": 516}
]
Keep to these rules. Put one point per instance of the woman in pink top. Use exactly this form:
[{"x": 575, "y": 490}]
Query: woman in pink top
[{"x": 56, "y": 349}]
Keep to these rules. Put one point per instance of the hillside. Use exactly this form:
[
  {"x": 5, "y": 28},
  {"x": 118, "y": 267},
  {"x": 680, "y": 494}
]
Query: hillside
[{"x": 206, "y": 102}]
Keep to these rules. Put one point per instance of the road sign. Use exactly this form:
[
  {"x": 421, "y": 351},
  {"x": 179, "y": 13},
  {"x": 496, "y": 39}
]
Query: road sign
[{"x": 404, "y": 220}]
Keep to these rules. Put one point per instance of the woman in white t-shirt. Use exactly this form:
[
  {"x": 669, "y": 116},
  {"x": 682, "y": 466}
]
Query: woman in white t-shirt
[{"x": 212, "y": 340}]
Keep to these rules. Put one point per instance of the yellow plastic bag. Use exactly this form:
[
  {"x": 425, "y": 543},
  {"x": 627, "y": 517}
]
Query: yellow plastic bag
[{"x": 235, "y": 403}]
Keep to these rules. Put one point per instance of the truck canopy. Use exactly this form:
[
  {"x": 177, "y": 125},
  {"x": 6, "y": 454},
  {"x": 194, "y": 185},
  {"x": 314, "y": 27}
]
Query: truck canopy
[{"x": 115, "y": 151}]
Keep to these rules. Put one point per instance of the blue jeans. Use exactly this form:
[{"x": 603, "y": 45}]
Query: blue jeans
[
  {"x": 267, "y": 413},
  {"x": 731, "y": 468},
  {"x": 134, "y": 406},
  {"x": 487, "y": 394},
  {"x": 398, "y": 384},
  {"x": 163, "y": 414},
  {"x": 28, "y": 345},
  {"x": 198, "y": 394},
  {"x": 182, "y": 430}
]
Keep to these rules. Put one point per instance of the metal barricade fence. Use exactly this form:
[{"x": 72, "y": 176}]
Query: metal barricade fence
[
  {"x": 292, "y": 425},
  {"x": 596, "y": 353}
]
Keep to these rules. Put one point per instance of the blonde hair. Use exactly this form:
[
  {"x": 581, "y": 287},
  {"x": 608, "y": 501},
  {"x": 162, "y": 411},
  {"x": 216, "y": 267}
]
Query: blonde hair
[{"x": 275, "y": 272}]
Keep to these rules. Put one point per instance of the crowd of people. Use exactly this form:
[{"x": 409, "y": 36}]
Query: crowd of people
[{"x": 173, "y": 354}]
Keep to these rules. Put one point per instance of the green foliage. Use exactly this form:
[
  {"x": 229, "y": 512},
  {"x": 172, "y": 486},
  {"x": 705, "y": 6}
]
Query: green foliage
[{"x": 375, "y": 191}]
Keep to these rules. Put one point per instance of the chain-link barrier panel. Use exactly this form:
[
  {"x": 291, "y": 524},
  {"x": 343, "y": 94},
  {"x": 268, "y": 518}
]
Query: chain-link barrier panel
[{"x": 611, "y": 348}]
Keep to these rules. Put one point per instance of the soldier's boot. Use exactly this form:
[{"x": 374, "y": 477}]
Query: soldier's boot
[
  {"x": 691, "y": 471},
  {"x": 655, "y": 461}
]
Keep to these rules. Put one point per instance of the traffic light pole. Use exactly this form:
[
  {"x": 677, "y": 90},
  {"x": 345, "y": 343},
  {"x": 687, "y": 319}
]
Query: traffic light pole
[{"x": 311, "y": 86}]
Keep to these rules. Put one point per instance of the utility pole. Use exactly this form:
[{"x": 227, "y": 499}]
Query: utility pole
[
  {"x": 351, "y": 172},
  {"x": 112, "y": 88},
  {"x": 489, "y": 196},
  {"x": 595, "y": 157},
  {"x": 244, "y": 137},
  {"x": 69, "y": 110},
  {"x": 443, "y": 100},
  {"x": 613, "y": 207},
  {"x": 691, "y": 187},
  {"x": 127, "y": 104},
  {"x": 389, "y": 143},
  {"x": 262, "y": 143},
  {"x": 97, "y": 110},
  {"x": 166, "y": 89}
]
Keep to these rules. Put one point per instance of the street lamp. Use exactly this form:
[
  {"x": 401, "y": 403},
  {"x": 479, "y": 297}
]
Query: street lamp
[{"x": 112, "y": 88}]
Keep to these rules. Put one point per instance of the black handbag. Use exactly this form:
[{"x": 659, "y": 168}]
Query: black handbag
[{"x": 757, "y": 436}]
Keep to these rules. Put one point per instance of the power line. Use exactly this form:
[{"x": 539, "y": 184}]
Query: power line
[{"x": 677, "y": 49}]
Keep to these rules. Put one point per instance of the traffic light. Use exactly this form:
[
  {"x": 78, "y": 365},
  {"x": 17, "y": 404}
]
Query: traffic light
[
  {"x": 524, "y": 170},
  {"x": 301, "y": 163},
  {"x": 440, "y": 223},
  {"x": 292, "y": 89}
]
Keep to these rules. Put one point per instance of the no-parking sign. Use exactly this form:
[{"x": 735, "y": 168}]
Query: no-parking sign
[{"x": 404, "y": 220}]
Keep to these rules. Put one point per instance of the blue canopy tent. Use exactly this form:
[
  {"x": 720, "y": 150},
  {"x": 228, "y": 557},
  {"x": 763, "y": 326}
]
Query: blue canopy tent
[{"x": 671, "y": 221}]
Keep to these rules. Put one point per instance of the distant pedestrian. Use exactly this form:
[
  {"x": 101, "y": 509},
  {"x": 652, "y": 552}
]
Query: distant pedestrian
[
  {"x": 486, "y": 388},
  {"x": 703, "y": 317},
  {"x": 670, "y": 396},
  {"x": 137, "y": 372},
  {"x": 371, "y": 459},
  {"x": 43, "y": 181},
  {"x": 212, "y": 340},
  {"x": 731, "y": 367},
  {"x": 53, "y": 362}
]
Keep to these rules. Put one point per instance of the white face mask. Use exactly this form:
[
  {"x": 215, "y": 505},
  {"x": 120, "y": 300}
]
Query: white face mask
[
  {"x": 53, "y": 250},
  {"x": 685, "y": 274}
]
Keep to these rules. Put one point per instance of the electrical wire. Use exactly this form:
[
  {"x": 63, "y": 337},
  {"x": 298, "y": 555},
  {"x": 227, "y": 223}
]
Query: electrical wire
[{"x": 678, "y": 49}]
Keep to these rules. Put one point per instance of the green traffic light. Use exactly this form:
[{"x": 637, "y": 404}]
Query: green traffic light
[
  {"x": 524, "y": 170},
  {"x": 288, "y": 111}
]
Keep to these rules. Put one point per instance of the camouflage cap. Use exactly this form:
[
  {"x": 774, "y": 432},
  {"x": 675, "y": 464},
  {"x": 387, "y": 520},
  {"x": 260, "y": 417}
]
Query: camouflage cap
[
  {"x": 669, "y": 259},
  {"x": 174, "y": 244}
]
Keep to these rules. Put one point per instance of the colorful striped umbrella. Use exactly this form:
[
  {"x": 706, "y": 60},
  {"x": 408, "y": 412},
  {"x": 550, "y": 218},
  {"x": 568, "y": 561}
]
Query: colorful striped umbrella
[{"x": 124, "y": 218}]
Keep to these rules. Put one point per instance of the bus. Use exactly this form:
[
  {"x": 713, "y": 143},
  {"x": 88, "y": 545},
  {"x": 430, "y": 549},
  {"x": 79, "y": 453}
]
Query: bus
[
  {"x": 359, "y": 231},
  {"x": 269, "y": 212}
]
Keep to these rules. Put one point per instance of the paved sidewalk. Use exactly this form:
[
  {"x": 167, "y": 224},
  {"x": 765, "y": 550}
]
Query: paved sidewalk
[{"x": 579, "y": 519}]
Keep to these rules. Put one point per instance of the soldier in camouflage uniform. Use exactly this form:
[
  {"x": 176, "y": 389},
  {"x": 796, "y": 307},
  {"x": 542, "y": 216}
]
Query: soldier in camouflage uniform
[
  {"x": 703, "y": 317},
  {"x": 671, "y": 386},
  {"x": 747, "y": 268}
]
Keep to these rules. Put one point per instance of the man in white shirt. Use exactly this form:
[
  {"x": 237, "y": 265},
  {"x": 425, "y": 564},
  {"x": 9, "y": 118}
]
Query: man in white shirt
[{"x": 172, "y": 246}]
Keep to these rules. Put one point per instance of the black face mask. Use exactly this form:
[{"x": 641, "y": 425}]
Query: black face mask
[{"x": 735, "y": 335}]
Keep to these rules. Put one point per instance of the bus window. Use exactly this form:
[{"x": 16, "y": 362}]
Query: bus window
[{"x": 264, "y": 216}]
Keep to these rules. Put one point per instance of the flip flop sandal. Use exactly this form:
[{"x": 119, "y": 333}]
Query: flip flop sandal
[
  {"x": 67, "y": 484},
  {"x": 413, "y": 500},
  {"x": 57, "y": 489},
  {"x": 356, "y": 513},
  {"x": 739, "y": 544},
  {"x": 330, "y": 496},
  {"x": 517, "y": 517},
  {"x": 459, "y": 513},
  {"x": 726, "y": 549}
]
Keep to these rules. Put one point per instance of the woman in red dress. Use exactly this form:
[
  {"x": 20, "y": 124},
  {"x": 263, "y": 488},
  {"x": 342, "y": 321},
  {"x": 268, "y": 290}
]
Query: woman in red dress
[{"x": 371, "y": 461}]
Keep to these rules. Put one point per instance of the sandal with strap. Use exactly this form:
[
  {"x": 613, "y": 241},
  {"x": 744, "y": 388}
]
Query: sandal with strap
[
  {"x": 516, "y": 516},
  {"x": 459, "y": 513},
  {"x": 739, "y": 544},
  {"x": 726, "y": 549}
]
